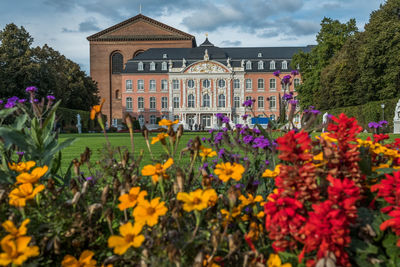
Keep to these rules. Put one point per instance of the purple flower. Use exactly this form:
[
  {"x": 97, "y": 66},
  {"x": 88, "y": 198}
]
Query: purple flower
[
  {"x": 20, "y": 153},
  {"x": 210, "y": 131},
  {"x": 294, "y": 72},
  {"x": 218, "y": 137},
  {"x": 239, "y": 185},
  {"x": 221, "y": 152},
  {"x": 256, "y": 131},
  {"x": 277, "y": 73},
  {"x": 215, "y": 161},
  {"x": 245, "y": 116},
  {"x": 315, "y": 111},
  {"x": 90, "y": 178},
  {"x": 373, "y": 124},
  {"x": 13, "y": 99},
  {"x": 245, "y": 158},
  {"x": 205, "y": 165},
  {"x": 225, "y": 129},
  {"x": 247, "y": 210},
  {"x": 50, "y": 97},
  {"x": 247, "y": 139},
  {"x": 248, "y": 103},
  {"x": 189, "y": 143},
  {"x": 219, "y": 116},
  {"x": 330, "y": 116},
  {"x": 293, "y": 102},
  {"x": 21, "y": 100},
  {"x": 381, "y": 123},
  {"x": 286, "y": 79},
  {"x": 287, "y": 96},
  {"x": 9, "y": 105},
  {"x": 256, "y": 182},
  {"x": 238, "y": 126},
  {"x": 31, "y": 89},
  {"x": 311, "y": 107},
  {"x": 225, "y": 119},
  {"x": 260, "y": 142},
  {"x": 1, "y": 101},
  {"x": 203, "y": 139},
  {"x": 266, "y": 162}
]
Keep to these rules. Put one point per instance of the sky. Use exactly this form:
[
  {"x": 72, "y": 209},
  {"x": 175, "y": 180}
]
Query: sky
[{"x": 65, "y": 24}]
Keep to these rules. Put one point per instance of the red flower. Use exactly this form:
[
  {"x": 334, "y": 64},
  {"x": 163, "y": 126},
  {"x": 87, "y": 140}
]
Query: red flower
[
  {"x": 380, "y": 137},
  {"x": 293, "y": 146}
]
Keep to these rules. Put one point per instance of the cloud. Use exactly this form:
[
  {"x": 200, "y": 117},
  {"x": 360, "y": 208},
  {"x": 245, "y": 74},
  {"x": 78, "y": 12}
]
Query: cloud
[
  {"x": 89, "y": 25},
  {"x": 229, "y": 43},
  {"x": 331, "y": 5}
]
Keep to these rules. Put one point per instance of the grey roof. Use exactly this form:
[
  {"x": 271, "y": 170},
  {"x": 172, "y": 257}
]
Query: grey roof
[{"x": 220, "y": 54}]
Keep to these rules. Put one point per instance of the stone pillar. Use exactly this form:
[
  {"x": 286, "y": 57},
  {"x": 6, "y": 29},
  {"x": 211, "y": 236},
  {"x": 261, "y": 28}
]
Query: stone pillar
[
  {"x": 171, "y": 103},
  {"x": 184, "y": 93},
  {"x": 396, "y": 120},
  {"x": 198, "y": 93},
  {"x": 229, "y": 89},
  {"x": 214, "y": 85}
]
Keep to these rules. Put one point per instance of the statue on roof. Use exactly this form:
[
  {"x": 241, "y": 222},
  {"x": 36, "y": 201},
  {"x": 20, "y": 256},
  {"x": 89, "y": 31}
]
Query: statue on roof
[
  {"x": 228, "y": 62},
  {"x": 206, "y": 57},
  {"x": 170, "y": 64},
  {"x": 183, "y": 63},
  {"x": 242, "y": 63}
]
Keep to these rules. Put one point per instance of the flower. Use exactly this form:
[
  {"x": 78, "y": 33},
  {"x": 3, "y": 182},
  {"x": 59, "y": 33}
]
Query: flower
[
  {"x": 373, "y": 124},
  {"x": 21, "y": 101},
  {"x": 277, "y": 73},
  {"x": 96, "y": 109},
  {"x": 274, "y": 173},
  {"x": 287, "y": 96},
  {"x": 31, "y": 89},
  {"x": 17, "y": 251},
  {"x": 20, "y": 153},
  {"x": 196, "y": 200},
  {"x": 132, "y": 198},
  {"x": 294, "y": 72},
  {"x": 226, "y": 171},
  {"x": 13, "y": 230},
  {"x": 248, "y": 139},
  {"x": 160, "y": 137},
  {"x": 248, "y": 103},
  {"x": 245, "y": 116},
  {"x": 21, "y": 166},
  {"x": 130, "y": 237},
  {"x": 32, "y": 177},
  {"x": 207, "y": 152},
  {"x": 261, "y": 142},
  {"x": 165, "y": 122},
  {"x": 50, "y": 97},
  {"x": 286, "y": 79},
  {"x": 275, "y": 261},
  {"x": 85, "y": 260},
  {"x": 22, "y": 193},
  {"x": 157, "y": 171},
  {"x": 250, "y": 200},
  {"x": 147, "y": 212}
]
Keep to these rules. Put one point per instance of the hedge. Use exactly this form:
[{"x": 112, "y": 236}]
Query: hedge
[{"x": 68, "y": 120}]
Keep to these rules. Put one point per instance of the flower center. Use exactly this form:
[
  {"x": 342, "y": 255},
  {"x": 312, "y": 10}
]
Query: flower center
[
  {"x": 197, "y": 201},
  {"x": 151, "y": 210},
  {"x": 129, "y": 238},
  {"x": 228, "y": 172},
  {"x": 133, "y": 198}
]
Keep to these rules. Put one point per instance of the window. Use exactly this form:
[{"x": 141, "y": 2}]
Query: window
[
  {"x": 152, "y": 66},
  {"x": 248, "y": 97},
  {"x": 164, "y": 56},
  {"x": 206, "y": 101},
  {"x": 296, "y": 83},
  {"x": 236, "y": 102},
  {"x": 272, "y": 84},
  {"x": 236, "y": 83},
  {"x": 175, "y": 84},
  {"x": 115, "y": 122},
  {"x": 140, "y": 85},
  {"x": 140, "y": 103},
  {"x": 206, "y": 83},
  {"x": 259, "y": 55},
  {"x": 248, "y": 84},
  {"x": 152, "y": 102},
  {"x": 260, "y": 65},
  {"x": 284, "y": 65},
  {"x": 190, "y": 83},
  {"x": 128, "y": 85},
  {"x": 260, "y": 102},
  {"x": 260, "y": 83},
  {"x": 152, "y": 85},
  {"x": 221, "y": 83},
  {"x": 235, "y": 119},
  {"x": 248, "y": 65},
  {"x": 141, "y": 119},
  {"x": 272, "y": 65},
  {"x": 164, "y": 102},
  {"x": 206, "y": 120},
  {"x": 272, "y": 117},
  {"x": 140, "y": 65},
  {"x": 117, "y": 95},
  {"x": 164, "y": 66},
  {"x": 153, "y": 119},
  {"x": 272, "y": 102},
  {"x": 117, "y": 62},
  {"x": 164, "y": 85},
  {"x": 176, "y": 117},
  {"x": 190, "y": 101},
  {"x": 129, "y": 103},
  {"x": 176, "y": 102},
  {"x": 221, "y": 101}
]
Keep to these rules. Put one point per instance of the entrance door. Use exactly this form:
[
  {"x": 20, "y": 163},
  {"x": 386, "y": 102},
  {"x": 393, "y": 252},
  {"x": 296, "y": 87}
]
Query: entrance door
[
  {"x": 206, "y": 120},
  {"x": 190, "y": 120}
]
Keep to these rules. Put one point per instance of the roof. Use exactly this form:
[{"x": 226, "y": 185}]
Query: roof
[{"x": 177, "y": 34}]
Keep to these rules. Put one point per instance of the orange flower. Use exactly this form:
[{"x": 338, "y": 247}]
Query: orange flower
[
  {"x": 13, "y": 230},
  {"x": 275, "y": 261},
  {"x": 131, "y": 199},
  {"x": 207, "y": 152},
  {"x": 250, "y": 199},
  {"x": 16, "y": 251},
  {"x": 22, "y": 193},
  {"x": 96, "y": 109},
  {"x": 130, "y": 237},
  {"x": 85, "y": 260},
  {"x": 196, "y": 200},
  {"x": 274, "y": 173},
  {"x": 158, "y": 170},
  {"x": 165, "y": 122},
  {"x": 226, "y": 171},
  {"x": 160, "y": 137},
  {"x": 148, "y": 212},
  {"x": 32, "y": 177},
  {"x": 21, "y": 166}
]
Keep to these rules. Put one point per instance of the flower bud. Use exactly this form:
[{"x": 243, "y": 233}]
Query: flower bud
[
  {"x": 128, "y": 120},
  {"x": 104, "y": 194}
]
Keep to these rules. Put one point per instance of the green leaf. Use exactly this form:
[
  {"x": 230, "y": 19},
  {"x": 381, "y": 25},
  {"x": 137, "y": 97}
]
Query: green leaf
[{"x": 11, "y": 136}]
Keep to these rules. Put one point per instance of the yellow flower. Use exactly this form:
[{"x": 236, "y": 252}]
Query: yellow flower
[
  {"x": 275, "y": 261},
  {"x": 21, "y": 166},
  {"x": 327, "y": 137},
  {"x": 148, "y": 212},
  {"x": 22, "y": 193},
  {"x": 159, "y": 137},
  {"x": 16, "y": 251},
  {"x": 196, "y": 200},
  {"x": 85, "y": 260},
  {"x": 381, "y": 166},
  {"x": 13, "y": 230},
  {"x": 32, "y": 177},
  {"x": 254, "y": 231},
  {"x": 226, "y": 171},
  {"x": 130, "y": 237},
  {"x": 131, "y": 199},
  {"x": 319, "y": 157},
  {"x": 158, "y": 170},
  {"x": 261, "y": 215},
  {"x": 207, "y": 152},
  {"x": 165, "y": 122},
  {"x": 96, "y": 109},
  {"x": 274, "y": 173},
  {"x": 250, "y": 199}
]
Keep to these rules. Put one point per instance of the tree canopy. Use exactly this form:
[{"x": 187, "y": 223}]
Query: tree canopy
[{"x": 22, "y": 65}]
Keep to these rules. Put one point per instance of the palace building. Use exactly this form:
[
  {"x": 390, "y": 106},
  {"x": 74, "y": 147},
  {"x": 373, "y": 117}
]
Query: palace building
[{"x": 154, "y": 71}]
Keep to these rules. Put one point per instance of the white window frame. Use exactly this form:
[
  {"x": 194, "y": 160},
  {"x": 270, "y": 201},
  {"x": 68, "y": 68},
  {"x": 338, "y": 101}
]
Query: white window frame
[
  {"x": 272, "y": 65},
  {"x": 164, "y": 56},
  {"x": 152, "y": 66},
  {"x": 272, "y": 84},
  {"x": 128, "y": 85},
  {"x": 221, "y": 101},
  {"x": 164, "y": 66},
  {"x": 249, "y": 84},
  {"x": 221, "y": 83},
  {"x": 272, "y": 102},
  {"x": 176, "y": 101},
  {"x": 296, "y": 83},
  {"x": 208, "y": 82},
  {"x": 206, "y": 101},
  {"x": 140, "y": 66},
  {"x": 140, "y": 85},
  {"x": 260, "y": 100},
  {"x": 259, "y": 54},
  {"x": 260, "y": 81},
  {"x": 175, "y": 84},
  {"x": 153, "y": 85},
  {"x": 236, "y": 101},
  {"x": 129, "y": 103},
  {"x": 152, "y": 102},
  {"x": 164, "y": 102},
  {"x": 164, "y": 85},
  {"x": 248, "y": 65},
  {"x": 141, "y": 119},
  {"x": 190, "y": 83},
  {"x": 191, "y": 101},
  {"x": 260, "y": 65},
  {"x": 284, "y": 65},
  {"x": 153, "y": 119},
  {"x": 140, "y": 102},
  {"x": 236, "y": 84}
]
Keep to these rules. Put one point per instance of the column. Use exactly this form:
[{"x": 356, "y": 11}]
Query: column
[
  {"x": 171, "y": 105},
  {"x": 198, "y": 93},
  {"x": 214, "y": 85},
  {"x": 229, "y": 89},
  {"x": 184, "y": 93}
]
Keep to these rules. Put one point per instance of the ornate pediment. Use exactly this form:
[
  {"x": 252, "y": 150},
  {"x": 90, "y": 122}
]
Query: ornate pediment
[{"x": 206, "y": 67}]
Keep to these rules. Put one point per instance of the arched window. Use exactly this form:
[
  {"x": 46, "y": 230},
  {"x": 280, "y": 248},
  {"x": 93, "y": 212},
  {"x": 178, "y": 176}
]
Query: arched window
[
  {"x": 272, "y": 65},
  {"x": 117, "y": 62},
  {"x": 191, "y": 101},
  {"x": 206, "y": 83},
  {"x": 260, "y": 65},
  {"x": 221, "y": 101},
  {"x": 248, "y": 65},
  {"x": 129, "y": 103},
  {"x": 164, "y": 66},
  {"x": 138, "y": 53},
  {"x": 117, "y": 95},
  {"x": 152, "y": 66},
  {"x": 284, "y": 65},
  {"x": 260, "y": 84},
  {"x": 221, "y": 83},
  {"x": 140, "y": 65},
  {"x": 206, "y": 101}
]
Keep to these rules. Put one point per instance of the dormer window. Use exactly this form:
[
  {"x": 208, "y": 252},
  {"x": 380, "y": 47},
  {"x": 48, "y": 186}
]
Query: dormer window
[
  {"x": 259, "y": 55},
  {"x": 140, "y": 65},
  {"x": 284, "y": 65},
  {"x": 164, "y": 66},
  {"x": 272, "y": 65},
  {"x": 248, "y": 65},
  {"x": 152, "y": 66},
  {"x": 260, "y": 65},
  {"x": 164, "y": 56}
]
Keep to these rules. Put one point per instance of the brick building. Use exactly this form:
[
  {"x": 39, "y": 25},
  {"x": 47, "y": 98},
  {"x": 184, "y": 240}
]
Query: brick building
[{"x": 153, "y": 71}]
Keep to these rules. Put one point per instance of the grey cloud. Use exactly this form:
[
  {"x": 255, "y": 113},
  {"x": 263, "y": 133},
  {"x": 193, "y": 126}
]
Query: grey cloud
[
  {"x": 269, "y": 33},
  {"x": 65, "y": 30},
  {"x": 231, "y": 43},
  {"x": 331, "y": 5},
  {"x": 89, "y": 25}
]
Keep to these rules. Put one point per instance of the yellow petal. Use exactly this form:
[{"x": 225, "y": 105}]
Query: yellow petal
[
  {"x": 138, "y": 240},
  {"x": 168, "y": 164},
  {"x": 86, "y": 257}
]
